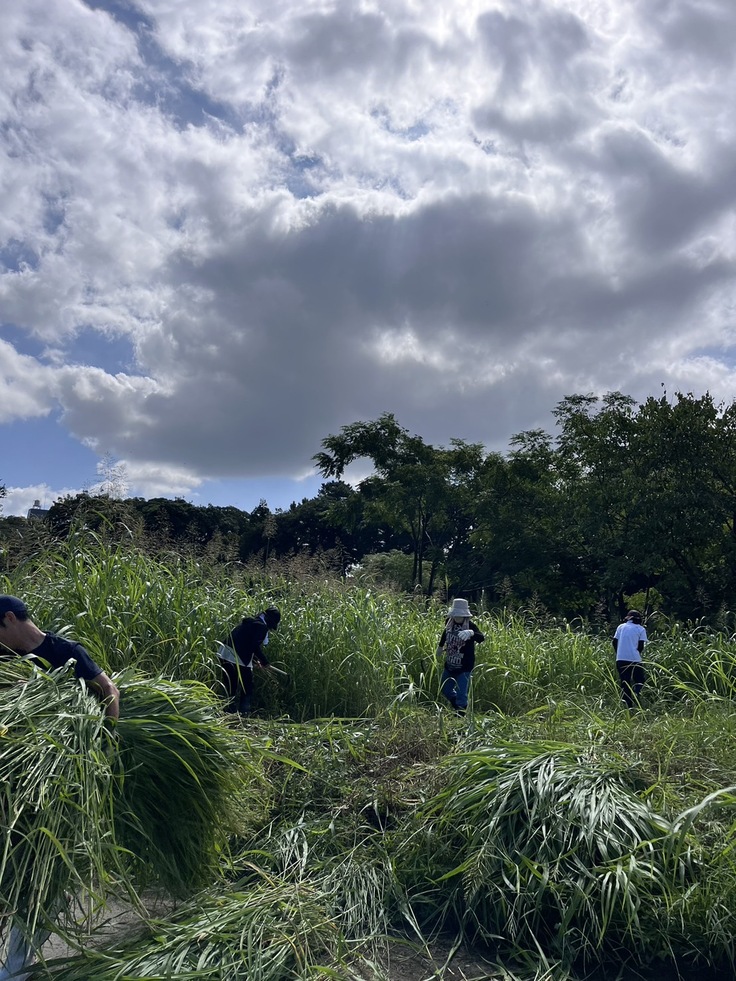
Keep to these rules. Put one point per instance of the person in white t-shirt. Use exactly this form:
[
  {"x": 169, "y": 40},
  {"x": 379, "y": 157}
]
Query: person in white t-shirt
[{"x": 628, "y": 643}]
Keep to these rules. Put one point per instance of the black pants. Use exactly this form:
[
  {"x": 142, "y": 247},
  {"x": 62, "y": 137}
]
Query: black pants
[
  {"x": 238, "y": 683},
  {"x": 631, "y": 675}
]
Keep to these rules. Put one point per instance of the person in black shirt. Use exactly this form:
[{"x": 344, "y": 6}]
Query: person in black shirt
[
  {"x": 242, "y": 650},
  {"x": 19, "y": 635}
]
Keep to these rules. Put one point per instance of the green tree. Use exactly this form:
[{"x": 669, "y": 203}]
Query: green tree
[
  {"x": 523, "y": 529},
  {"x": 653, "y": 495},
  {"x": 332, "y": 522},
  {"x": 600, "y": 471},
  {"x": 105, "y": 516},
  {"x": 259, "y": 530},
  {"x": 413, "y": 485},
  {"x": 687, "y": 459}
]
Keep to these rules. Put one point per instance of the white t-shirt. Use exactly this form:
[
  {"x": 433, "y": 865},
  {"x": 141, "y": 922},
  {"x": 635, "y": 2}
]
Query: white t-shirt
[{"x": 628, "y": 636}]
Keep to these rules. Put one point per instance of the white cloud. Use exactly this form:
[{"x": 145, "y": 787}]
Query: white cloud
[
  {"x": 300, "y": 215},
  {"x": 152, "y": 480},
  {"x": 19, "y": 500},
  {"x": 23, "y": 386}
]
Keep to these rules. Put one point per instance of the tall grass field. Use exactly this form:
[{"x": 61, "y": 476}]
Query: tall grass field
[{"x": 550, "y": 832}]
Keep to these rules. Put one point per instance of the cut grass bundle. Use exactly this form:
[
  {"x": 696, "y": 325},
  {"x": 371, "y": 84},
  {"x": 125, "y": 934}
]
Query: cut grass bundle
[
  {"x": 181, "y": 773},
  {"x": 544, "y": 848},
  {"x": 266, "y": 929},
  {"x": 56, "y": 796},
  {"x": 86, "y": 809}
]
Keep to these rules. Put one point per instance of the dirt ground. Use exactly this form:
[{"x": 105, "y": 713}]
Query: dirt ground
[
  {"x": 440, "y": 963},
  {"x": 118, "y": 920}
]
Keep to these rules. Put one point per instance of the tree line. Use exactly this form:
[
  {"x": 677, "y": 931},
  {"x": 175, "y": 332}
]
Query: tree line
[{"x": 622, "y": 502}]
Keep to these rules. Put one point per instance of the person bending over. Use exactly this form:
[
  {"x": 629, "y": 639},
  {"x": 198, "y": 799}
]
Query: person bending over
[{"x": 242, "y": 650}]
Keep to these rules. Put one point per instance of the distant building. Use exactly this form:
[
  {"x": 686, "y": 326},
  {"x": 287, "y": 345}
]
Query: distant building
[{"x": 37, "y": 511}]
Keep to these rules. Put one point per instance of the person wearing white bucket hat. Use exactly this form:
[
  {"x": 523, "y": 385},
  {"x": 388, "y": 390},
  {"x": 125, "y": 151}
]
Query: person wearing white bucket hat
[{"x": 457, "y": 643}]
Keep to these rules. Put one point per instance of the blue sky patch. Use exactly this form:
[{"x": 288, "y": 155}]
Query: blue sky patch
[
  {"x": 16, "y": 255},
  {"x": 169, "y": 87},
  {"x": 41, "y": 451},
  {"x": 112, "y": 354}
]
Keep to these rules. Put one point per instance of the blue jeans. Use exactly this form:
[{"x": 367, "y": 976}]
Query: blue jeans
[
  {"x": 18, "y": 958},
  {"x": 455, "y": 688}
]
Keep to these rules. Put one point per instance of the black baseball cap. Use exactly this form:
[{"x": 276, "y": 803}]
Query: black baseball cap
[{"x": 11, "y": 604}]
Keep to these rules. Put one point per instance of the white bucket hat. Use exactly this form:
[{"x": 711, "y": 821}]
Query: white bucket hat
[{"x": 459, "y": 608}]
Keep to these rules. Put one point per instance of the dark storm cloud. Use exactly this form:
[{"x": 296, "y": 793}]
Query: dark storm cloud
[
  {"x": 491, "y": 289},
  {"x": 661, "y": 202},
  {"x": 705, "y": 32}
]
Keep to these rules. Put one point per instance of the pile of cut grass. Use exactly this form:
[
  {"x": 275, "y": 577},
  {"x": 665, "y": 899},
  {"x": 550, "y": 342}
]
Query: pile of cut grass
[
  {"x": 262, "y": 929},
  {"x": 546, "y": 846},
  {"x": 56, "y": 796},
  {"x": 92, "y": 809},
  {"x": 179, "y": 777}
]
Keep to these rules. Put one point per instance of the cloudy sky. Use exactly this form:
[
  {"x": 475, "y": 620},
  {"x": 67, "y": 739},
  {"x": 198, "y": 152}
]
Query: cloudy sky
[{"x": 230, "y": 227}]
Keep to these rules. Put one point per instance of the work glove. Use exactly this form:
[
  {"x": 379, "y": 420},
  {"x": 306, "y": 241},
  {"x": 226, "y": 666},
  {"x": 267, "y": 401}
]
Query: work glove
[{"x": 466, "y": 634}]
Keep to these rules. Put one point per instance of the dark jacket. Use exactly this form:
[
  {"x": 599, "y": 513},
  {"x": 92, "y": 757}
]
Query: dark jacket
[
  {"x": 247, "y": 640},
  {"x": 459, "y": 655}
]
